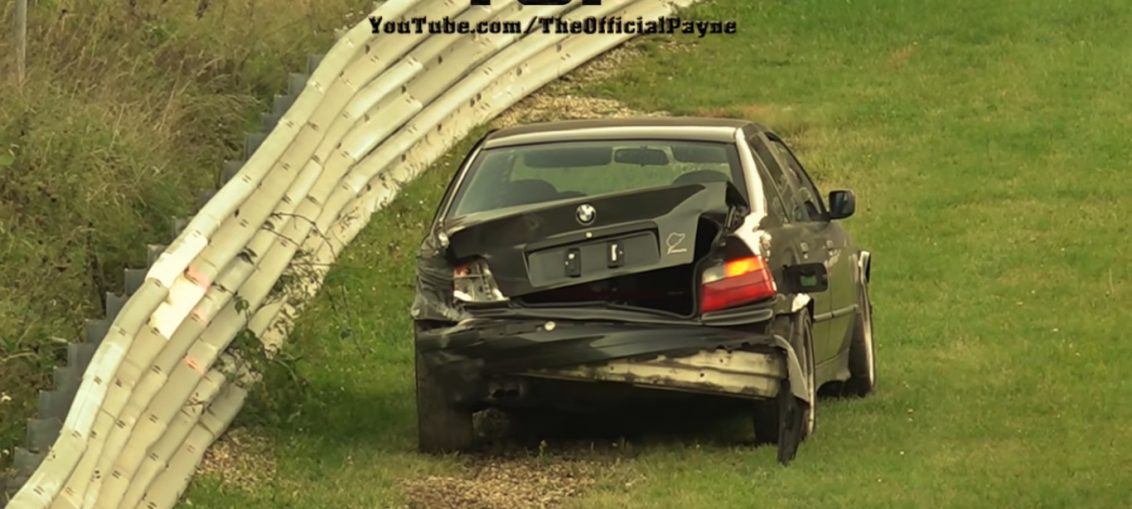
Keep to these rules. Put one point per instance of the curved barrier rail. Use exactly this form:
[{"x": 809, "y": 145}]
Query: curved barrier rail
[{"x": 376, "y": 112}]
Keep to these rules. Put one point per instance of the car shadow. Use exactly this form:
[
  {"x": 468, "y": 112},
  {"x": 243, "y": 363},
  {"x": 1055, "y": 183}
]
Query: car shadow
[
  {"x": 643, "y": 419},
  {"x": 337, "y": 419}
]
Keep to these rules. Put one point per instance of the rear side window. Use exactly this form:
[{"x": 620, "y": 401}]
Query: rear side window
[
  {"x": 774, "y": 180},
  {"x": 772, "y": 167},
  {"x": 808, "y": 204}
]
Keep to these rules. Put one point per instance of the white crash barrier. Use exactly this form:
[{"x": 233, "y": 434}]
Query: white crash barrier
[{"x": 375, "y": 113}]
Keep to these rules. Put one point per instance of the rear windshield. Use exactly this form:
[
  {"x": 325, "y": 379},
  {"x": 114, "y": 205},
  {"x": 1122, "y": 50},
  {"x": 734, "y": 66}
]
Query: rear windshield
[{"x": 529, "y": 175}]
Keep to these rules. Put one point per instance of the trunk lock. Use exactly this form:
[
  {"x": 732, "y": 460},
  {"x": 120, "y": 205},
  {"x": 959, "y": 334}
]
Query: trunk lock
[
  {"x": 574, "y": 262},
  {"x": 615, "y": 255}
]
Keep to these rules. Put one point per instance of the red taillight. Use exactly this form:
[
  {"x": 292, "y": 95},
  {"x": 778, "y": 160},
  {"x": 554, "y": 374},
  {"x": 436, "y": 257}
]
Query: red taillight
[{"x": 736, "y": 282}]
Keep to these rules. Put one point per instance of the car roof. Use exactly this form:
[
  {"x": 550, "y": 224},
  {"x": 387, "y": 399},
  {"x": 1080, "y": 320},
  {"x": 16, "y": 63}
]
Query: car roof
[{"x": 681, "y": 128}]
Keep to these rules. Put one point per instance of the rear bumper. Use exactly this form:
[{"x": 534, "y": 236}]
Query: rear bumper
[
  {"x": 736, "y": 373},
  {"x": 470, "y": 359}
]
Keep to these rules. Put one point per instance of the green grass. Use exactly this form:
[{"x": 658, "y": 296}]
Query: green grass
[
  {"x": 127, "y": 113},
  {"x": 987, "y": 144}
]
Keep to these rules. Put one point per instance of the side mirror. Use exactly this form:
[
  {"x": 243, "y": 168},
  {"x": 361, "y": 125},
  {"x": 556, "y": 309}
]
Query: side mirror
[
  {"x": 842, "y": 204},
  {"x": 805, "y": 278}
]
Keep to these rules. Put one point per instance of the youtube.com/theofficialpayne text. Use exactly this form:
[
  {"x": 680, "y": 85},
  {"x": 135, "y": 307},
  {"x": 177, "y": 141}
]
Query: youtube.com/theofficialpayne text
[{"x": 592, "y": 25}]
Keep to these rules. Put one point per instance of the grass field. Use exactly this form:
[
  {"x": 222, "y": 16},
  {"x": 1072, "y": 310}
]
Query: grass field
[{"x": 988, "y": 146}]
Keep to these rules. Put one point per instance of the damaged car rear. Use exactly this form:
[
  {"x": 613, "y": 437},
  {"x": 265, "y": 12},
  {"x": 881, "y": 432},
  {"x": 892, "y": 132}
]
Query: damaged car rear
[{"x": 663, "y": 254}]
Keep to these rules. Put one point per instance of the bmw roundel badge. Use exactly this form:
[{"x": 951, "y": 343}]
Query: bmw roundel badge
[{"x": 586, "y": 213}]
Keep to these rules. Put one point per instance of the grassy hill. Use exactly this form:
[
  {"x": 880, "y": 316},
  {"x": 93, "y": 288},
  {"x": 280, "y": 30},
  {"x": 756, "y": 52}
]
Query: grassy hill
[
  {"x": 987, "y": 143},
  {"x": 127, "y": 114}
]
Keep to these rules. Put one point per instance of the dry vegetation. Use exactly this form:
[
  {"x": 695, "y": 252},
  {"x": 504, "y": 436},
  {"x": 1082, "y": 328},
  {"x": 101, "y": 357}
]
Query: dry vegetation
[
  {"x": 503, "y": 484},
  {"x": 129, "y": 108}
]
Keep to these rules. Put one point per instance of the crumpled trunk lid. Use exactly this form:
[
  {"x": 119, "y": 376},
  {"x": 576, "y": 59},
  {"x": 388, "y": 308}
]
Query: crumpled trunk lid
[{"x": 638, "y": 249}]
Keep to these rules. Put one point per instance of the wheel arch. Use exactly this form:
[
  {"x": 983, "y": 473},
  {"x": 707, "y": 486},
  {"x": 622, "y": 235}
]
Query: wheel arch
[{"x": 866, "y": 265}]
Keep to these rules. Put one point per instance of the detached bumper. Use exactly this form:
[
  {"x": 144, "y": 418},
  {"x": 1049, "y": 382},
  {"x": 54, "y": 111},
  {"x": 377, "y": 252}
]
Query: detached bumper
[
  {"x": 735, "y": 373},
  {"x": 685, "y": 357}
]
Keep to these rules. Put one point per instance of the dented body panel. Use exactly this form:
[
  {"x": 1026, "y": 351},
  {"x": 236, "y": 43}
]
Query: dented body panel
[{"x": 470, "y": 354}]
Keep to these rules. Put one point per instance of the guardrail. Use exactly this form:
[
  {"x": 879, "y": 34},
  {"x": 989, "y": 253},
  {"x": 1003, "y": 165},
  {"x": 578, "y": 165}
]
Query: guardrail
[{"x": 375, "y": 113}]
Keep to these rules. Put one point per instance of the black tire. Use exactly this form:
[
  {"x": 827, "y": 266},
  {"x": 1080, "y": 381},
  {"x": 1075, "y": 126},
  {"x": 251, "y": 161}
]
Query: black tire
[
  {"x": 862, "y": 351},
  {"x": 441, "y": 426},
  {"x": 786, "y": 420}
]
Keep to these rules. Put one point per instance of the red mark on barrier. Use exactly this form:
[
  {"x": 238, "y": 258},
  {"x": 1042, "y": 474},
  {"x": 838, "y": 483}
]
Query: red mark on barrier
[
  {"x": 197, "y": 277},
  {"x": 194, "y": 364}
]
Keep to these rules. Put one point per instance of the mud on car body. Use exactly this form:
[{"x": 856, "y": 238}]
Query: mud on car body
[{"x": 680, "y": 254}]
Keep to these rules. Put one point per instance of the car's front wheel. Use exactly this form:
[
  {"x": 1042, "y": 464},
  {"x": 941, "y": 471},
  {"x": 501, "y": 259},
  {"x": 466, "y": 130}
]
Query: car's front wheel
[
  {"x": 787, "y": 420},
  {"x": 441, "y": 426}
]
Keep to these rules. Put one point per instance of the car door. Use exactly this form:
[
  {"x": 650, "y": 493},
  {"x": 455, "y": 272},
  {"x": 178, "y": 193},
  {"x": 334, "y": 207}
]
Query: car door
[
  {"x": 833, "y": 242},
  {"x": 801, "y": 237}
]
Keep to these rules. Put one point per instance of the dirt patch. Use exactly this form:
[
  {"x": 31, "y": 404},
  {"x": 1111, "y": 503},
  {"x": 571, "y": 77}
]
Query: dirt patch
[
  {"x": 241, "y": 458},
  {"x": 504, "y": 484},
  {"x": 547, "y": 107},
  {"x": 601, "y": 68},
  {"x": 557, "y": 100},
  {"x": 612, "y": 62},
  {"x": 901, "y": 56}
]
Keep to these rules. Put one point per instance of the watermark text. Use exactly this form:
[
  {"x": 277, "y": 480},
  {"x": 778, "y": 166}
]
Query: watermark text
[{"x": 590, "y": 25}]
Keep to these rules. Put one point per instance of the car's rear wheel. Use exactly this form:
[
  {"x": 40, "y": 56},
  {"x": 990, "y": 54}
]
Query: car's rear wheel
[
  {"x": 441, "y": 426},
  {"x": 787, "y": 420},
  {"x": 862, "y": 359}
]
